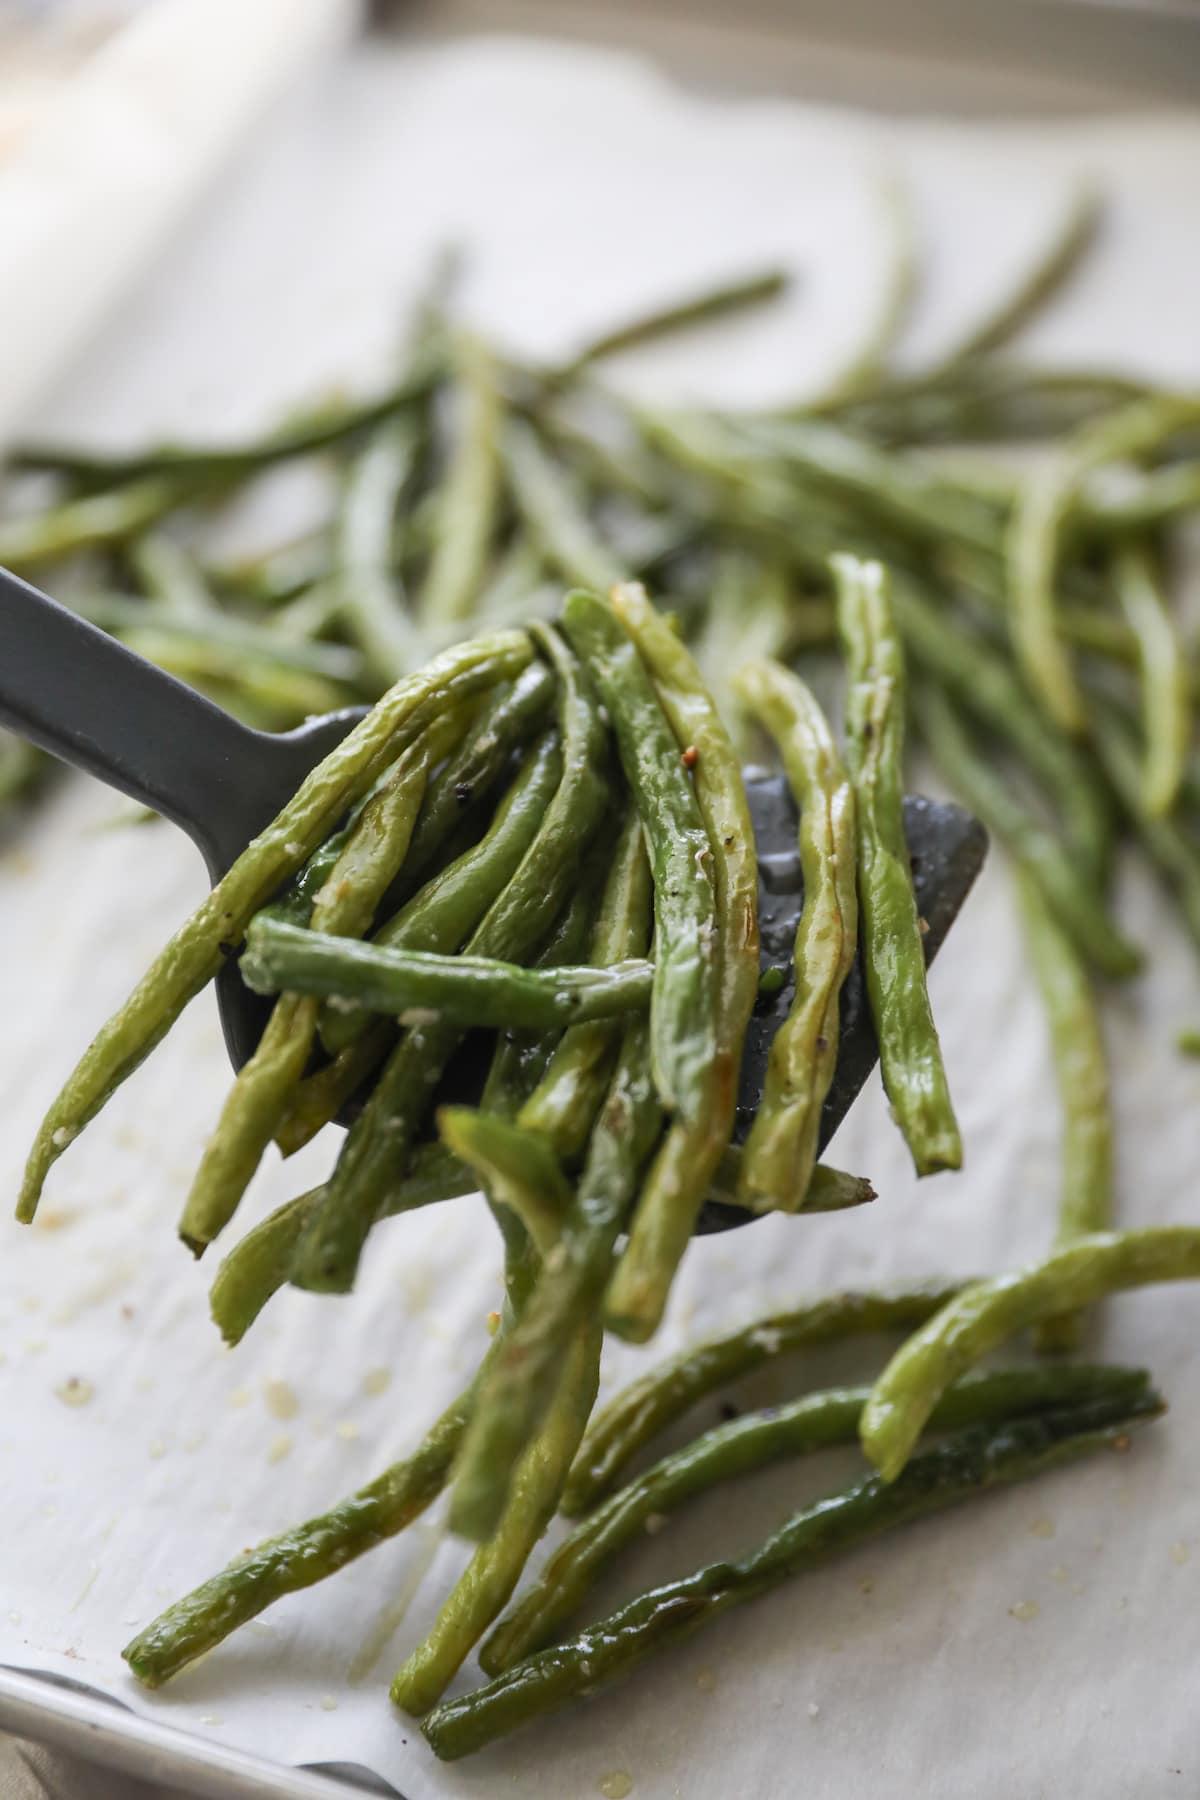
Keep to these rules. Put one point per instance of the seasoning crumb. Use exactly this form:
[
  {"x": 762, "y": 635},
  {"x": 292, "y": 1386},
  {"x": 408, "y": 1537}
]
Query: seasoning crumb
[
  {"x": 814, "y": 1711},
  {"x": 281, "y": 1399},
  {"x": 1042, "y": 1528},
  {"x": 654, "y": 1523},
  {"x": 1058, "y": 1573},
  {"x": 493, "y": 1323},
  {"x": 923, "y": 927},
  {"x": 279, "y": 1448},
  {"x": 616, "y": 1785},
  {"x": 690, "y": 757},
  {"x": 1121, "y": 1444},
  {"x": 376, "y": 1381},
  {"x": 328, "y": 1703},
  {"x": 76, "y": 1390},
  {"x": 706, "y": 1681},
  {"x": 61, "y": 1136},
  {"x": 347, "y": 1429},
  {"x": 1180, "y": 1553},
  {"x": 14, "y": 1618},
  {"x": 1024, "y": 1610},
  {"x": 158, "y": 1448},
  {"x": 240, "y": 1397}
]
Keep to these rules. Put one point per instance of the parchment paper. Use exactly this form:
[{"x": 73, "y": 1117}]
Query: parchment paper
[{"x": 1041, "y": 1639}]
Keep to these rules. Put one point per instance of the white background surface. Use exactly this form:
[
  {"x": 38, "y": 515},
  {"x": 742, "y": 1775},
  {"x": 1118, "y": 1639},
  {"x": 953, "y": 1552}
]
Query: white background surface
[{"x": 580, "y": 185}]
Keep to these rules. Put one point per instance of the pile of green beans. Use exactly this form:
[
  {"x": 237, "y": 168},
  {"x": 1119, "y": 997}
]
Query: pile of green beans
[{"x": 539, "y": 840}]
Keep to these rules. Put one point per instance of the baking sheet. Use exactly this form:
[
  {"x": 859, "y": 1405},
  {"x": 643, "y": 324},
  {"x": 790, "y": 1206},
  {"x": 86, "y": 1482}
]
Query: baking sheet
[{"x": 1045, "y": 1636}]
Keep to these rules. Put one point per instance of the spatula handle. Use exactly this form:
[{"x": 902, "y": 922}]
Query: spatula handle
[{"x": 85, "y": 698}]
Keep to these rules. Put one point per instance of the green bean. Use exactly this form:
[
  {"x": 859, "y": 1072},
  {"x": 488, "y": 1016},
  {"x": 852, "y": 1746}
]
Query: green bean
[
  {"x": 517, "y": 1170},
  {"x": 523, "y": 1379},
  {"x": 170, "y": 577},
  {"x": 1160, "y": 497},
  {"x": 552, "y": 513},
  {"x": 682, "y": 1024},
  {"x": 320, "y": 1097},
  {"x": 981, "y": 680},
  {"x": 465, "y": 514},
  {"x": 1168, "y": 843},
  {"x": 442, "y": 914},
  {"x": 988, "y": 399},
  {"x": 893, "y": 959},
  {"x": 505, "y": 724},
  {"x": 345, "y": 904},
  {"x": 1166, "y": 687},
  {"x": 1046, "y": 858},
  {"x": 187, "y": 465},
  {"x": 377, "y": 1145},
  {"x": 983, "y": 1456},
  {"x": 128, "y": 618},
  {"x": 753, "y": 1441},
  {"x": 829, "y": 1190},
  {"x": 275, "y": 577},
  {"x": 279, "y": 694},
  {"x": 869, "y": 359},
  {"x": 87, "y": 522},
  {"x": 1070, "y": 241},
  {"x": 986, "y": 1314},
  {"x": 563, "y": 1106},
  {"x": 637, "y": 1415},
  {"x": 753, "y": 612},
  {"x": 258, "y": 1265},
  {"x": 695, "y": 309},
  {"x": 195, "y": 953},
  {"x": 324, "y": 1544},
  {"x": 469, "y": 990},
  {"x": 363, "y": 576},
  {"x": 781, "y": 1149},
  {"x": 724, "y": 985},
  {"x": 485, "y": 1587},
  {"x": 901, "y": 496},
  {"x": 1086, "y": 1195},
  {"x": 1189, "y": 1043},
  {"x": 1044, "y": 505}
]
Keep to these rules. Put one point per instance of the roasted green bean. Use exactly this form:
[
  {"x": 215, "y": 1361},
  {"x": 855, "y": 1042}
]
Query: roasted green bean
[
  {"x": 986, "y": 1314},
  {"x": 781, "y": 1149},
  {"x": 799, "y": 1428},
  {"x": 893, "y": 959},
  {"x": 644, "y": 1409},
  {"x": 982, "y": 1457}
]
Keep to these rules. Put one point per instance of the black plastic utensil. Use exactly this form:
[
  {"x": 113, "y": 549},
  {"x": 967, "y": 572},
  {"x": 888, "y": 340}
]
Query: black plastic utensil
[{"x": 85, "y": 698}]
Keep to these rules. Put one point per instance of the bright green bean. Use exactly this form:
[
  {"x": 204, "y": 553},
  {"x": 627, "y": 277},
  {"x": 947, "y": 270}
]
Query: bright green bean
[
  {"x": 88, "y": 522},
  {"x": 988, "y": 1313}
]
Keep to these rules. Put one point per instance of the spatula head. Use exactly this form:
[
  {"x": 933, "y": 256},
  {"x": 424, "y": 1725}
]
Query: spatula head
[{"x": 947, "y": 846}]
